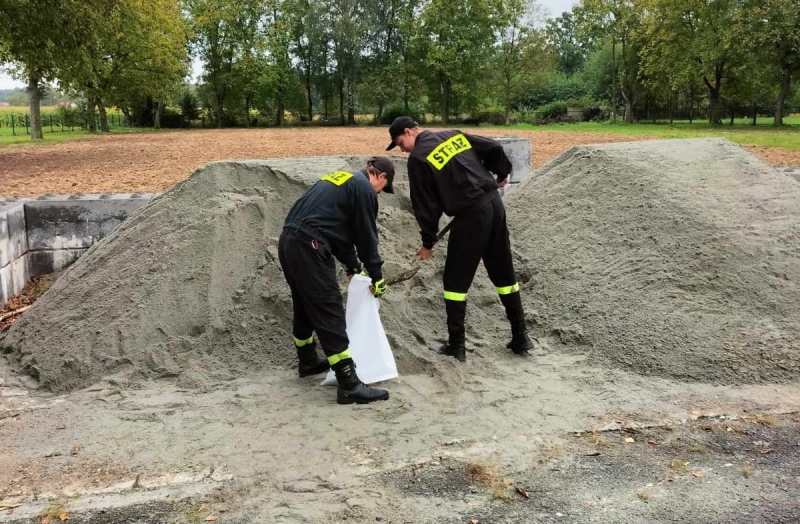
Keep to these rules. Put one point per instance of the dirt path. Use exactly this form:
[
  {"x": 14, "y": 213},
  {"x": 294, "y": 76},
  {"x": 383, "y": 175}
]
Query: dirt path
[{"x": 156, "y": 161}]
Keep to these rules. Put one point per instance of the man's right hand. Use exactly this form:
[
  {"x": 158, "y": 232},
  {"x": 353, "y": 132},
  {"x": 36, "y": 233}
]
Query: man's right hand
[{"x": 424, "y": 253}]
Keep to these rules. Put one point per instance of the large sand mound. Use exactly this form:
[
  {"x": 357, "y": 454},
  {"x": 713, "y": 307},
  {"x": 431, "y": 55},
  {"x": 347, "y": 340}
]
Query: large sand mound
[
  {"x": 677, "y": 258},
  {"x": 189, "y": 287},
  {"x": 673, "y": 258}
]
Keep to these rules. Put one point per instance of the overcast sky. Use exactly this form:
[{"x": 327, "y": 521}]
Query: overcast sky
[{"x": 555, "y": 7}]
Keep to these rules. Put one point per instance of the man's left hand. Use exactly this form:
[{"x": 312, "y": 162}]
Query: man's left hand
[
  {"x": 378, "y": 288},
  {"x": 502, "y": 183}
]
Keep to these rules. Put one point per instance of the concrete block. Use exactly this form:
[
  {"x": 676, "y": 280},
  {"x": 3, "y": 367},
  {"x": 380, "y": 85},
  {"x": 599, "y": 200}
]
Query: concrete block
[
  {"x": 13, "y": 278},
  {"x": 49, "y": 261},
  {"x": 518, "y": 151},
  {"x": 13, "y": 234},
  {"x": 77, "y": 222}
]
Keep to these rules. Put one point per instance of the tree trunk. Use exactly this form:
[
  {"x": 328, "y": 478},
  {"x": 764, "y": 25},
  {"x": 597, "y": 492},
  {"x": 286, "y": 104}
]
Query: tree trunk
[
  {"x": 310, "y": 97},
  {"x": 127, "y": 112},
  {"x": 247, "y": 110},
  {"x": 445, "y": 100},
  {"x": 91, "y": 126},
  {"x": 379, "y": 116},
  {"x": 714, "y": 95},
  {"x": 755, "y": 114},
  {"x": 159, "y": 111},
  {"x": 279, "y": 113},
  {"x": 786, "y": 84},
  {"x": 35, "y": 107},
  {"x": 220, "y": 102},
  {"x": 508, "y": 114},
  {"x": 351, "y": 102},
  {"x": 101, "y": 108},
  {"x": 614, "y": 80},
  {"x": 341, "y": 101},
  {"x": 628, "y": 110}
]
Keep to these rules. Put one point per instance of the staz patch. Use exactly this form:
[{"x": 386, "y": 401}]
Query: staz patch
[
  {"x": 338, "y": 178},
  {"x": 445, "y": 151}
]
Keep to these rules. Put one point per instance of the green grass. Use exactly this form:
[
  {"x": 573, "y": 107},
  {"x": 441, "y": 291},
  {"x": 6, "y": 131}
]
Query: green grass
[{"x": 787, "y": 137}]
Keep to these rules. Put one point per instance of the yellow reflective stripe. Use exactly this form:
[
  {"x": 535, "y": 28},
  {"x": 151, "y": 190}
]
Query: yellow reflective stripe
[
  {"x": 300, "y": 343},
  {"x": 445, "y": 151},
  {"x": 457, "y": 297},
  {"x": 508, "y": 289},
  {"x": 335, "y": 359},
  {"x": 338, "y": 178}
]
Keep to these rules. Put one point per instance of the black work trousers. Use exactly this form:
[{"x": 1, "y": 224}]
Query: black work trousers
[
  {"x": 480, "y": 234},
  {"x": 310, "y": 270}
]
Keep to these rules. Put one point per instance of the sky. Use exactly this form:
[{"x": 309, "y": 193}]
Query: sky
[{"x": 555, "y": 7}]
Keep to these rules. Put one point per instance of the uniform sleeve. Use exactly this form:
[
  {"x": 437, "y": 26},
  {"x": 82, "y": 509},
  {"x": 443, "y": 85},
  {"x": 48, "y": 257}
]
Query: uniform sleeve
[
  {"x": 492, "y": 154},
  {"x": 424, "y": 200},
  {"x": 366, "y": 231}
]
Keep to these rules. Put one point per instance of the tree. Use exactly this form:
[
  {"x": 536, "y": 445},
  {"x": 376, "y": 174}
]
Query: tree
[
  {"x": 460, "y": 36},
  {"x": 774, "y": 31},
  {"x": 45, "y": 39},
  {"x": 694, "y": 39},
  {"x": 521, "y": 52},
  {"x": 570, "y": 44}
]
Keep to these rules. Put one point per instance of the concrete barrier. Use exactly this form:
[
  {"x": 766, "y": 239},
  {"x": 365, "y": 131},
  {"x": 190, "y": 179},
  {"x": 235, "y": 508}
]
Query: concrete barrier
[
  {"x": 518, "y": 150},
  {"x": 46, "y": 234}
]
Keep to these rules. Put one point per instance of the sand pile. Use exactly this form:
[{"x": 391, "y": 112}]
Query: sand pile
[
  {"x": 674, "y": 258},
  {"x": 189, "y": 288}
]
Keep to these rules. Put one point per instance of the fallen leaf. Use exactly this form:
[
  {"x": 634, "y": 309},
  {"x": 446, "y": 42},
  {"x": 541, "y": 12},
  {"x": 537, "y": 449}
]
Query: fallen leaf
[
  {"x": 630, "y": 440},
  {"x": 76, "y": 449},
  {"x": 9, "y": 506},
  {"x": 696, "y": 413},
  {"x": 652, "y": 442},
  {"x": 593, "y": 454},
  {"x": 212, "y": 518},
  {"x": 698, "y": 474},
  {"x": 523, "y": 492},
  {"x": 765, "y": 451},
  {"x": 63, "y": 517}
]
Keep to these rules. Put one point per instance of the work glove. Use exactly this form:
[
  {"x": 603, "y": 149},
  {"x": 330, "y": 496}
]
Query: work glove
[
  {"x": 378, "y": 288},
  {"x": 354, "y": 271}
]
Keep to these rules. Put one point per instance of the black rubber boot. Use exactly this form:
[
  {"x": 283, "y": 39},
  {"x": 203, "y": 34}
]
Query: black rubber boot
[
  {"x": 351, "y": 389},
  {"x": 455, "y": 347},
  {"x": 520, "y": 342},
  {"x": 457, "y": 352},
  {"x": 309, "y": 362}
]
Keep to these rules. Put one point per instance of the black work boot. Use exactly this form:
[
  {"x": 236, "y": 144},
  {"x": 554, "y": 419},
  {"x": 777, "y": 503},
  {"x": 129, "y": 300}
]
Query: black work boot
[
  {"x": 309, "y": 362},
  {"x": 455, "y": 347},
  {"x": 351, "y": 389},
  {"x": 520, "y": 342}
]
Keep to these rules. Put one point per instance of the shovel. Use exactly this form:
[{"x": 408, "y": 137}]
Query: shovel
[{"x": 411, "y": 273}]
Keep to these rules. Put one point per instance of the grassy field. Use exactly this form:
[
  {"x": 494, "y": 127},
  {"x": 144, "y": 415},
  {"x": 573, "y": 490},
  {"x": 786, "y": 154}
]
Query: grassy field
[
  {"x": 787, "y": 137},
  {"x": 51, "y": 125}
]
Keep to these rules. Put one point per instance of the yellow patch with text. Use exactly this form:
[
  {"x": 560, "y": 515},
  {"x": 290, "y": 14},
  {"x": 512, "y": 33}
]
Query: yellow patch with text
[
  {"x": 445, "y": 151},
  {"x": 338, "y": 178}
]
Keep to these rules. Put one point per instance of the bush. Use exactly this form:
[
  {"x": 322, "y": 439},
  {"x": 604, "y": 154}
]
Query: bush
[
  {"x": 553, "y": 111},
  {"x": 392, "y": 112},
  {"x": 594, "y": 113},
  {"x": 190, "y": 106}
]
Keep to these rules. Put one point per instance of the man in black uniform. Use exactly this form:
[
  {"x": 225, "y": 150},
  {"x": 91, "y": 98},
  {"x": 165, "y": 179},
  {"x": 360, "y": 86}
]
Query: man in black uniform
[
  {"x": 451, "y": 172},
  {"x": 334, "y": 218}
]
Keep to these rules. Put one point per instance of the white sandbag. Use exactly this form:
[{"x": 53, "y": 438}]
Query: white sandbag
[{"x": 369, "y": 346}]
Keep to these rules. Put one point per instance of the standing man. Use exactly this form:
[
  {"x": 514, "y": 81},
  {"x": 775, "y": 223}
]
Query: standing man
[
  {"x": 335, "y": 218},
  {"x": 451, "y": 172}
]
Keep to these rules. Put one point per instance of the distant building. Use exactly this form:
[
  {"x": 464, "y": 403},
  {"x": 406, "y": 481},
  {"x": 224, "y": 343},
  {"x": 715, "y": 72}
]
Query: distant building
[{"x": 5, "y": 104}]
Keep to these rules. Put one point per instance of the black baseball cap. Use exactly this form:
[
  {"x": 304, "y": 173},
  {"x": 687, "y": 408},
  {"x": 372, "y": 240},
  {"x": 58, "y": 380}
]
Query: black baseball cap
[
  {"x": 400, "y": 124},
  {"x": 383, "y": 165}
]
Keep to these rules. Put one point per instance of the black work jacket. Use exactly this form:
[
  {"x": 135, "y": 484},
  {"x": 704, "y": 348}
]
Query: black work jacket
[
  {"x": 450, "y": 172},
  {"x": 341, "y": 210}
]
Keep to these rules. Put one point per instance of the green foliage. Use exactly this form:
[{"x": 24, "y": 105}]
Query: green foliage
[
  {"x": 189, "y": 106},
  {"x": 553, "y": 110}
]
